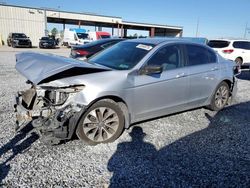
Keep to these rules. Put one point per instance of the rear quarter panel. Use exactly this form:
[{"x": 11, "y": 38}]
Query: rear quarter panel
[{"x": 226, "y": 73}]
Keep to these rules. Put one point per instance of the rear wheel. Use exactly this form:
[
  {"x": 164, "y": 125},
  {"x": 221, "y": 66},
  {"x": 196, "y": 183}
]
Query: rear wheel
[
  {"x": 103, "y": 122},
  {"x": 220, "y": 97}
]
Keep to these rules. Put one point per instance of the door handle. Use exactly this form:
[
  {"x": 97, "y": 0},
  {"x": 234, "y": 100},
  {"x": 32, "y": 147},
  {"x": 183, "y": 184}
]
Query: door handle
[
  {"x": 214, "y": 68},
  {"x": 180, "y": 75}
]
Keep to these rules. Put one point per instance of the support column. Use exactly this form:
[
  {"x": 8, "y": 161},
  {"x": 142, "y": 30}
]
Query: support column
[
  {"x": 63, "y": 25},
  {"x": 152, "y": 32},
  {"x": 122, "y": 31},
  {"x": 118, "y": 30},
  {"x": 181, "y": 33},
  {"x": 112, "y": 30},
  {"x": 125, "y": 33},
  {"x": 79, "y": 23},
  {"x": 99, "y": 28}
]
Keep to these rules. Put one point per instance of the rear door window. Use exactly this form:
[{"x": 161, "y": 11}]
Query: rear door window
[
  {"x": 218, "y": 43},
  {"x": 198, "y": 55},
  {"x": 242, "y": 45}
]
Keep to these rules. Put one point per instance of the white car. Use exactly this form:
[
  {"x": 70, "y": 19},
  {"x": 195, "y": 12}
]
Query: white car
[{"x": 236, "y": 50}]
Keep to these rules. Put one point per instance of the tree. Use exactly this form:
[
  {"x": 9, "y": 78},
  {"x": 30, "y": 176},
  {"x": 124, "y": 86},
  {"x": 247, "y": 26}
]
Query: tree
[
  {"x": 135, "y": 35},
  {"x": 61, "y": 34},
  {"x": 54, "y": 31}
]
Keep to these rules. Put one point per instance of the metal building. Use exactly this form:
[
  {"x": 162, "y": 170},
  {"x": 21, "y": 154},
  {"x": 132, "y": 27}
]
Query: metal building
[
  {"x": 24, "y": 20},
  {"x": 33, "y": 22}
]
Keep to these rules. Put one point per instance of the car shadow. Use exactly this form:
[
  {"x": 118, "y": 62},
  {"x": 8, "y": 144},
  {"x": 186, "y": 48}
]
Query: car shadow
[
  {"x": 17, "y": 145},
  {"x": 132, "y": 161},
  {"x": 217, "y": 156}
]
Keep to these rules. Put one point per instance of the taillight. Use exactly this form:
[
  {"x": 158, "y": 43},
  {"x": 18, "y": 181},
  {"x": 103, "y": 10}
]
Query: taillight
[
  {"x": 80, "y": 52},
  {"x": 229, "y": 51}
]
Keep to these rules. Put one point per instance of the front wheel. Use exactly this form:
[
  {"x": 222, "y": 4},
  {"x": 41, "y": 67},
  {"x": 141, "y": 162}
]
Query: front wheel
[
  {"x": 220, "y": 97},
  {"x": 103, "y": 122}
]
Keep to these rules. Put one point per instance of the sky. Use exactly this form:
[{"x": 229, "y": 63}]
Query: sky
[{"x": 215, "y": 18}]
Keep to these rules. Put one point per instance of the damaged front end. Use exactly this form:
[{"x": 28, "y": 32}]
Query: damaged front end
[
  {"x": 51, "y": 110},
  {"x": 55, "y": 100}
]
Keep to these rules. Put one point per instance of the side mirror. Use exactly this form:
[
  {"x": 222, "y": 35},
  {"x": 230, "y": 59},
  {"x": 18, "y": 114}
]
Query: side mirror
[{"x": 151, "y": 69}]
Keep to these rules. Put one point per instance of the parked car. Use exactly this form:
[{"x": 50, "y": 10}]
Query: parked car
[
  {"x": 46, "y": 42},
  {"x": 18, "y": 40},
  {"x": 75, "y": 36},
  {"x": 132, "y": 81},
  {"x": 87, "y": 50},
  {"x": 97, "y": 35},
  {"x": 235, "y": 50}
]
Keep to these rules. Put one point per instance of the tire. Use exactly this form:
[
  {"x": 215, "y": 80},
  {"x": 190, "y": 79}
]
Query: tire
[
  {"x": 220, "y": 97},
  {"x": 238, "y": 61},
  {"x": 103, "y": 122}
]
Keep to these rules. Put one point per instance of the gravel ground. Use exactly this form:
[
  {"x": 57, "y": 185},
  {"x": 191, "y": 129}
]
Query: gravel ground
[{"x": 194, "y": 148}]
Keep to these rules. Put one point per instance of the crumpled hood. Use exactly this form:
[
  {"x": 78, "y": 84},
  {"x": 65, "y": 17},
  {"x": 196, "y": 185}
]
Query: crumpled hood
[{"x": 37, "y": 67}]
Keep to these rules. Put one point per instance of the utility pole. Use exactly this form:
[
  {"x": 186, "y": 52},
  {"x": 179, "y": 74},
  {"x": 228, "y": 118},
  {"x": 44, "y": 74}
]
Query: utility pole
[
  {"x": 247, "y": 29},
  {"x": 45, "y": 23},
  {"x": 197, "y": 28}
]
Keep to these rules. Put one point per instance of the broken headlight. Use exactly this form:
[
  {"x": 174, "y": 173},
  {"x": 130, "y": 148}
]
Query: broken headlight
[{"x": 58, "y": 96}]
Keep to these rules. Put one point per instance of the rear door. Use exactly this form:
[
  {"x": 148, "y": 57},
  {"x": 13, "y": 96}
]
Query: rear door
[{"x": 203, "y": 73}]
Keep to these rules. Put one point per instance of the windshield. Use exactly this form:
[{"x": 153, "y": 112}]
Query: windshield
[
  {"x": 19, "y": 35},
  {"x": 82, "y": 35},
  {"x": 122, "y": 56}
]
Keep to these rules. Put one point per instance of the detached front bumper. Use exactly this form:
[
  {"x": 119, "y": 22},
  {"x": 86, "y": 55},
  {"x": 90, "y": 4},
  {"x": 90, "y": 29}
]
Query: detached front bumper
[
  {"x": 23, "y": 115},
  {"x": 53, "y": 125}
]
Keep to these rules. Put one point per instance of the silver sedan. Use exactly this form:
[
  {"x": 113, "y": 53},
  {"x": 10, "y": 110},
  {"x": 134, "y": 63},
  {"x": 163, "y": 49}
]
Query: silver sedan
[{"x": 129, "y": 82}]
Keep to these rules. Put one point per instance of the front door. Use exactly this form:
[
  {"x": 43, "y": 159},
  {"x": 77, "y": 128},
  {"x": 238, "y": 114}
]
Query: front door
[{"x": 160, "y": 94}]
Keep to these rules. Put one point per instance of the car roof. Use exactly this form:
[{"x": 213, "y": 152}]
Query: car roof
[
  {"x": 111, "y": 39},
  {"x": 229, "y": 40},
  {"x": 156, "y": 41},
  {"x": 98, "y": 42}
]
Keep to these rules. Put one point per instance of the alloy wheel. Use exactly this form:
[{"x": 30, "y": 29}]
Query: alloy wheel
[
  {"x": 100, "y": 124},
  {"x": 221, "y": 96}
]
